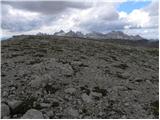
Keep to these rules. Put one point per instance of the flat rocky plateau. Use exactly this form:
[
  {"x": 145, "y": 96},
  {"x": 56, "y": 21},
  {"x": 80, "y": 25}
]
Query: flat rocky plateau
[{"x": 59, "y": 77}]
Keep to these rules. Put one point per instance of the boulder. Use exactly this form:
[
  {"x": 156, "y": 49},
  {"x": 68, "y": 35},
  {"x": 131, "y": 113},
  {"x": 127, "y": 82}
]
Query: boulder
[
  {"x": 36, "y": 83},
  {"x": 66, "y": 69},
  {"x": 45, "y": 105},
  {"x": 138, "y": 79},
  {"x": 96, "y": 94},
  {"x": 124, "y": 75},
  {"x": 70, "y": 90},
  {"x": 73, "y": 112},
  {"x": 14, "y": 104},
  {"x": 5, "y": 111},
  {"x": 86, "y": 98},
  {"x": 5, "y": 94},
  {"x": 50, "y": 113},
  {"x": 76, "y": 63},
  {"x": 33, "y": 114}
]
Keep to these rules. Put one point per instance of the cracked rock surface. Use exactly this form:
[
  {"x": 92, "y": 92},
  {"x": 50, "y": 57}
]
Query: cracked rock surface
[{"x": 49, "y": 77}]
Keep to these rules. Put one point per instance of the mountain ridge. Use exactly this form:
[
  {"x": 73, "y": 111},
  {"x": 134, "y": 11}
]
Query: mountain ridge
[{"x": 98, "y": 35}]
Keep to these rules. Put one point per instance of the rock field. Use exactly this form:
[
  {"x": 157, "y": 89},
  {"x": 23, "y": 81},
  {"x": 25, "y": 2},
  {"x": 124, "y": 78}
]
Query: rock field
[{"x": 56, "y": 77}]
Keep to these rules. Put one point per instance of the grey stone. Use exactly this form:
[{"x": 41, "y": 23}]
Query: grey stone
[
  {"x": 45, "y": 116},
  {"x": 95, "y": 94},
  {"x": 66, "y": 69},
  {"x": 86, "y": 98},
  {"x": 124, "y": 75},
  {"x": 87, "y": 117},
  {"x": 138, "y": 79},
  {"x": 15, "y": 116},
  {"x": 14, "y": 104},
  {"x": 148, "y": 81},
  {"x": 76, "y": 63},
  {"x": 70, "y": 90},
  {"x": 67, "y": 97},
  {"x": 45, "y": 105},
  {"x": 73, "y": 112},
  {"x": 101, "y": 113},
  {"x": 124, "y": 117},
  {"x": 12, "y": 88},
  {"x": 33, "y": 114},
  {"x": 36, "y": 83},
  {"x": 5, "y": 111},
  {"x": 6, "y": 117},
  {"x": 126, "y": 104},
  {"x": 50, "y": 113},
  {"x": 5, "y": 94}
]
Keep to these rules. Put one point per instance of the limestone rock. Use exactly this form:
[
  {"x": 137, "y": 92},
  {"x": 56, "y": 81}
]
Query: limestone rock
[
  {"x": 36, "y": 83},
  {"x": 86, "y": 98},
  {"x": 5, "y": 111},
  {"x": 70, "y": 90},
  {"x": 14, "y": 104},
  {"x": 66, "y": 69},
  {"x": 50, "y": 113},
  {"x": 73, "y": 112},
  {"x": 45, "y": 105},
  {"x": 32, "y": 114},
  {"x": 96, "y": 95}
]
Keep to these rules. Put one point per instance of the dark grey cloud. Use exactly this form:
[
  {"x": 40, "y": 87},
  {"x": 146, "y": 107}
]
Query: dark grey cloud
[
  {"x": 46, "y": 7},
  {"x": 14, "y": 21},
  {"x": 21, "y": 26},
  {"x": 153, "y": 8}
]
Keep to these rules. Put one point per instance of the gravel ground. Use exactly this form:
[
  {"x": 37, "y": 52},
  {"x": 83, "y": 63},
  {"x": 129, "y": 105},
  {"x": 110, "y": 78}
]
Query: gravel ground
[{"x": 58, "y": 77}]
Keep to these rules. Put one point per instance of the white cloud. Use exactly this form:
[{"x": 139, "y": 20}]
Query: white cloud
[
  {"x": 91, "y": 16},
  {"x": 18, "y": 20},
  {"x": 22, "y": 14},
  {"x": 122, "y": 15},
  {"x": 72, "y": 18},
  {"x": 152, "y": 8},
  {"x": 143, "y": 21},
  {"x": 150, "y": 33},
  {"x": 139, "y": 18}
]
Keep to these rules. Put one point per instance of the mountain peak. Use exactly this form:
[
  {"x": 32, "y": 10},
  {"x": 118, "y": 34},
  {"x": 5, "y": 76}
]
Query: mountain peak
[
  {"x": 71, "y": 34},
  {"x": 98, "y": 35},
  {"x": 60, "y": 33}
]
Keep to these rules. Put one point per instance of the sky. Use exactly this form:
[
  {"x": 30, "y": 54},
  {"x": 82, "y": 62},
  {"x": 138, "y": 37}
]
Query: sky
[{"x": 48, "y": 16}]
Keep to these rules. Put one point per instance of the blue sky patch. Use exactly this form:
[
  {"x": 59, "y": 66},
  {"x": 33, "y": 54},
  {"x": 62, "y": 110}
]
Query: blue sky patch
[{"x": 132, "y": 5}]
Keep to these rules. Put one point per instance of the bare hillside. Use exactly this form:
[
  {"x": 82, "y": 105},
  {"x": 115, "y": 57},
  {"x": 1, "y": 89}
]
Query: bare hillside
[{"x": 64, "y": 77}]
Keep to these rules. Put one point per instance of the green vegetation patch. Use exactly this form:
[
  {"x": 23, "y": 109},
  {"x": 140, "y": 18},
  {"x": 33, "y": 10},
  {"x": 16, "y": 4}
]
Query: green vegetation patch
[
  {"x": 155, "y": 108},
  {"x": 154, "y": 52}
]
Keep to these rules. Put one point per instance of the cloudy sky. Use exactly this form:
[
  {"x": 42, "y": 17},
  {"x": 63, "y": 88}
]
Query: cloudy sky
[{"x": 48, "y": 16}]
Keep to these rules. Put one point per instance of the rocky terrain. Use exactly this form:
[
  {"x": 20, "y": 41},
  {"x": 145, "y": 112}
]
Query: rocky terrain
[{"x": 60, "y": 77}]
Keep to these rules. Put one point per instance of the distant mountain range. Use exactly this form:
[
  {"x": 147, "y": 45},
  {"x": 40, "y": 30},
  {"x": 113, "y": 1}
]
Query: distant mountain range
[{"x": 97, "y": 35}]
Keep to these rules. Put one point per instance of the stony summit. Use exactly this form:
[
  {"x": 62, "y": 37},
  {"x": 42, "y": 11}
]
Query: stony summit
[{"x": 46, "y": 76}]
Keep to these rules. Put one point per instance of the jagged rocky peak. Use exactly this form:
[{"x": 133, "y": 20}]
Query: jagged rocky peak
[
  {"x": 138, "y": 37},
  {"x": 40, "y": 33},
  {"x": 60, "y": 33},
  {"x": 121, "y": 35},
  {"x": 117, "y": 35},
  {"x": 71, "y": 34},
  {"x": 70, "y": 31},
  {"x": 95, "y": 34},
  {"x": 116, "y": 32},
  {"x": 98, "y": 35},
  {"x": 79, "y": 34}
]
